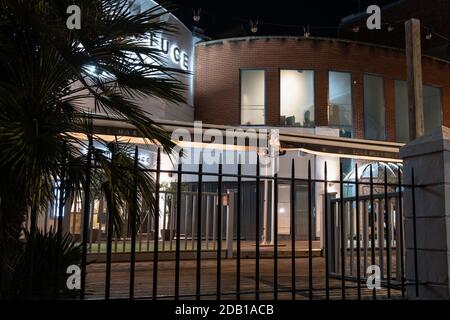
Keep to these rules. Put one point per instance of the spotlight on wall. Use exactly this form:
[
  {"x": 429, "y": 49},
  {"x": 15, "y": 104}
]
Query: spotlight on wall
[
  {"x": 429, "y": 36},
  {"x": 355, "y": 29},
  {"x": 306, "y": 32},
  {"x": 254, "y": 26},
  {"x": 197, "y": 15},
  {"x": 390, "y": 28}
]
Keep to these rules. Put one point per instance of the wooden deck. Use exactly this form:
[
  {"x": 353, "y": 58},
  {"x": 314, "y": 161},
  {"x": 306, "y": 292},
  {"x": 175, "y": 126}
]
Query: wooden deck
[{"x": 166, "y": 283}]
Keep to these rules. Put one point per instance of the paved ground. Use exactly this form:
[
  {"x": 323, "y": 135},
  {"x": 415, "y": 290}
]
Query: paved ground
[{"x": 166, "y": 282}]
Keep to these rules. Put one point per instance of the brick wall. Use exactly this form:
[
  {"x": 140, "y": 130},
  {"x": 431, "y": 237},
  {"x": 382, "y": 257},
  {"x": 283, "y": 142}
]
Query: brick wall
[{"x": 218, "y": 64}]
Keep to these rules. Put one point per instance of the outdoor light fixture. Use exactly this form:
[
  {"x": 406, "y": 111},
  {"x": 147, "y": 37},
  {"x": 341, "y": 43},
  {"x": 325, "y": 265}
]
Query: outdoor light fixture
[
  {"x": 390, "y": 28},
  {"x": 429, "y": 36},
  {"x": 306, "y": 32},
  {"x": 197, "y": 15},
  {"x": 254, "y": 26},
  {"x": 355, "y": 29}
]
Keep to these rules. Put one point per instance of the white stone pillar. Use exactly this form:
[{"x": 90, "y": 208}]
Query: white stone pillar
[{"x": 429, "y": 156}]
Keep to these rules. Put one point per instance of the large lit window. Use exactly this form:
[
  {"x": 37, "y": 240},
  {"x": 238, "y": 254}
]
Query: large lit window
[
  {"x": 340, "y": 102},
  {"x": 432, "y": 110},
  {"x": 374, "y": 108},
  {"x": 297, "y": 98},
  {"x": 253, "y": 97}
]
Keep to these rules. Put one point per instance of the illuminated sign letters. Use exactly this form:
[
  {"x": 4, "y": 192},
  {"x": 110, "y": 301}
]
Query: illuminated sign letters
[{"x": 176, "y": 54}]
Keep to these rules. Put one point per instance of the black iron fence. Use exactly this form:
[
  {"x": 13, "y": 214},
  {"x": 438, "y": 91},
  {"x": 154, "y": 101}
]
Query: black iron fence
[{"x": 202, "y": 231}]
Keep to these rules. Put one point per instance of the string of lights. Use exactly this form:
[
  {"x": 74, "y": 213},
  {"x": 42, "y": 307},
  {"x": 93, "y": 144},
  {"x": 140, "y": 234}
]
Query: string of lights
[
  {"x": 307, "y": 30},
  {"x": 430, "y": 34}
]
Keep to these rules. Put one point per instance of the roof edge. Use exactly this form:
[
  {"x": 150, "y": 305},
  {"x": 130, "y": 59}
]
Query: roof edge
[{"x": 298, "y": 38}]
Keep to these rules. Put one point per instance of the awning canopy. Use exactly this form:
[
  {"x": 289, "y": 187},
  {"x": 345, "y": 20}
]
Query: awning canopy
[{"x": 289, "y": 140}]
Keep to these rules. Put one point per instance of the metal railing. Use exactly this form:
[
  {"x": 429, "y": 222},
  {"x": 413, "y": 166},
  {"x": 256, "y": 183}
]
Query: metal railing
[{"x": 358, "y": 231}]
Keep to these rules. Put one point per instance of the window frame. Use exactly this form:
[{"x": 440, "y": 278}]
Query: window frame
[
  {"x": 265, "y": 96},
  {"x": 364, "y": 103},
  {"x": 352, "y": 79},
  {"x": 441, "y": 90},
  {"x": 279, "y": 95},
  {"x": 440, "y": 87}
]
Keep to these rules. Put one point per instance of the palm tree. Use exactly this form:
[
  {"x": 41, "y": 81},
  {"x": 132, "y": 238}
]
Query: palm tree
[{"x": 48, "y": 74}]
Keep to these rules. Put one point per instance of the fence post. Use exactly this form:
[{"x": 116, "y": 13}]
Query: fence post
[
  {"x": 230, "y": 224},
  {"x": 329, "y": 245},
  {"x": 427, "y": 215}
]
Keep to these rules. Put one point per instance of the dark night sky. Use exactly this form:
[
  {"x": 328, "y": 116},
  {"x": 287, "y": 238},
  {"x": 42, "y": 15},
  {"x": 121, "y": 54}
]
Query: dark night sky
[{"x": 222, "y": 18}]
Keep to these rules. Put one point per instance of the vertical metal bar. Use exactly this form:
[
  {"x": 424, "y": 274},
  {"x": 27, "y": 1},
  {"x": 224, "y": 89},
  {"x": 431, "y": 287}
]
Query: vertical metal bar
[
  {"x": 350, "y": 234},
  {"x": 110, "y": 230},
  {"x": 100, "y": 227},
  {"x": 214, "y": 229},
  {"x": 46, "y": 220},
  {"x": 416, "y": 268},
  {"x": 365, "y": 233},
  {"x": 293, "y": 271},
  {"x": 275, "y": 240},
  {"x": 31, "y": 253},
  {"x": 342, "y": 229},
  {"x": 165, "y": 214},
  {"x": 258, "y": 181},
  {"x": 91, "y": 224},
  {"x": 388, "y": 236},
  {"x": 115, "y": 243},
  {"x": 372, "y": 222},
  {"x": 86, "y": 214},
  {"x": 133, "y": 221},
  {"x": 188, "y": 201},
  {"x": 380, "y": 235},
  {"x": 208, "y": 202},
  {"x": 140, "y": 234},
  {"x": 336, "y": 233},
  {"x": 238, "y": 242},
  {"x": 156, "y": 226},
  {"x": 199, "y": 226},
  {"x": 73, "y": 217},
  {"x": 325, "y": 215},
  {"x": 310, "y": 233},
  {"x": 149, "y": 227},
  {"x": 125, "y": 231},
  {"x": 400, "y": 228},
  {"x": 396, "y": 233},
  {"x": 177, "y": 243},
  {"x": 219, "y": 232},
  {"x": 194, "y": 209},
  {"x": 170, "y": 222},
  {"x": 358, "y": 232},
  {"x": 62, "y": 203}
]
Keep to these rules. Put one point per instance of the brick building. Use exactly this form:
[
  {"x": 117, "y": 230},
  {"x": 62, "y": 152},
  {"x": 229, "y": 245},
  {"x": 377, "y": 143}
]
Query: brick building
[
  {"x": 332, "y": 101},
  {"x": 372, "y": 106}
]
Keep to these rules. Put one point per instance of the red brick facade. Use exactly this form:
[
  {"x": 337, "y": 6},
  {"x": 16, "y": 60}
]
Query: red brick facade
[{"x": 218, "y": 64}]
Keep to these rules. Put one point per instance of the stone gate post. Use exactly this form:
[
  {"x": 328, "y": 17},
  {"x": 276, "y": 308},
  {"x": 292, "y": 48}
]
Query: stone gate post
[{"x": 429, "y": 156}]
